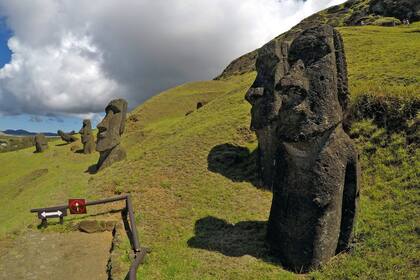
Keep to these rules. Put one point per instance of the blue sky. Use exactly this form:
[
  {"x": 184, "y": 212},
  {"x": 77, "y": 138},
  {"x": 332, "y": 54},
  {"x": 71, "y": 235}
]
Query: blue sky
[
  {"x": 25, "y": 121},
  {"x": 5, "y": 34},
  {"x": 72, "y": 63},
  {"x": 40, "y": 124}
]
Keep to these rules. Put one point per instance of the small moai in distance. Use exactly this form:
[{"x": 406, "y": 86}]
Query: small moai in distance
[
  {"x": 299, "y": 99},
  {"x": 41, "y": 143},
  {"x": 109, "y": 134},
  {"x": 67, "y": 137},
  {"x": 201, "y": 104},
  {"x": 87, "y": 138}
]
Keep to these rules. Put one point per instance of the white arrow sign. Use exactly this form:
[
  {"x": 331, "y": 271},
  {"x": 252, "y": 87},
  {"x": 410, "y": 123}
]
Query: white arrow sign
[{"x": 49, "y": 214}]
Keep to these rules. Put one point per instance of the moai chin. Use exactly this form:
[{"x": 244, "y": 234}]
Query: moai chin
[
  {"x": 298, "y": 102},
  {"x": 109, "y": 134},
  {"x": 87, "y": 138},
  {"x": 41, "y": 143}
]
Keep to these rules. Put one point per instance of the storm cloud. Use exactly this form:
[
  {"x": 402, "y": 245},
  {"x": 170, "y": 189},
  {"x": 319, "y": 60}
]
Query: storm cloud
[{"x": 70, "y": 57}]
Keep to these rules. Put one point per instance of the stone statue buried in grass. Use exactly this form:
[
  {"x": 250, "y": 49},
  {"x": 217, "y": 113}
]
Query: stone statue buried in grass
[
  {"x": 299, "y": 99},
  {"x": 109, "y": 134},
  {"x": 41, "y": 143},
  {"x": 67, "y": 137},
  {"x": 87, "y": 138}
]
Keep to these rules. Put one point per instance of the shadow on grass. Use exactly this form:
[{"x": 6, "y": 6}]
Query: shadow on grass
[
  {"x": 234, "y": 162},
  {"x": 62, "y": 144},
  {"x": 91, "y": 169},
  {"x": 233, "y": 240}
]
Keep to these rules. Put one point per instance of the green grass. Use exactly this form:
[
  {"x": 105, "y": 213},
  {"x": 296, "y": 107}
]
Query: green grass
[
  {"x": 14, "y": 143},
  {"x": 387, "y": 232},
  {"x": 383, "y": 60},
  {"x": 29, "y": 180},
  {"x": 207, "y": 225}
]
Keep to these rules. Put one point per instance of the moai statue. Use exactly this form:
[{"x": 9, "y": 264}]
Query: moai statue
[
  {"x": 88, "y": 140},
  {"x": 41, "y": 143},
  {"x": 67, "y": 137},
  {"x": 109, "y": 134},
  {"x": 298, "y": 102}
]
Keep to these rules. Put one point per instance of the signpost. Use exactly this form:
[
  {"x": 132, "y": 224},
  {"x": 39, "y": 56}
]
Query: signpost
[
  {"x": 55, "y": 214},
  {"x": 58, "y": 212},
  {"x": 77, "y": 206}
]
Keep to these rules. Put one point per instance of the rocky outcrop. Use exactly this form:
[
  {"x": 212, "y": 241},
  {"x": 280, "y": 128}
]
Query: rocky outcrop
[
  {"x": 241, "y": 65},
  {"x": 299, "y": 99},
  {"x": 402, "y": 9}
]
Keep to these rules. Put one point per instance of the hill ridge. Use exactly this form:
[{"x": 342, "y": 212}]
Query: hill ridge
[{"x": 350, "y": 13}]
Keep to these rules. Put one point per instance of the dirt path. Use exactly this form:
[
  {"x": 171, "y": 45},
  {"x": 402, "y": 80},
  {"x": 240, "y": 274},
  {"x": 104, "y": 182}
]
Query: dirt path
[{"x": 73, "y": 255}]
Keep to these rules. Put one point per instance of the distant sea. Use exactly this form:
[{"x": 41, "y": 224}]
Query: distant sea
[{"x": 21, "y": 132}]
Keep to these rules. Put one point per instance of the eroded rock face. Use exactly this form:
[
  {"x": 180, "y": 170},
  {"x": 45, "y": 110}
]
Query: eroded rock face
[
  {"x": 41, "y": 143},
  {"x": 402, "y": 9},
  {"x": 110, "y": 130},
  {"x": 88, "y": 140},
  {"x": 298, "y": 102},
  {"x": 67, "y": 137}
]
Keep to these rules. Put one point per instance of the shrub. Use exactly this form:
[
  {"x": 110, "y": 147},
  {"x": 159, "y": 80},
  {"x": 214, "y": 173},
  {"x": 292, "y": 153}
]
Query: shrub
[{"x": 387, "y": 21}]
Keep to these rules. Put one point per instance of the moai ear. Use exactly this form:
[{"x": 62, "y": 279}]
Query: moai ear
[
  {"x": 350, "y": 204},
  {"x": 124, "y": 115},
  {"x": 342, "y": 81}
]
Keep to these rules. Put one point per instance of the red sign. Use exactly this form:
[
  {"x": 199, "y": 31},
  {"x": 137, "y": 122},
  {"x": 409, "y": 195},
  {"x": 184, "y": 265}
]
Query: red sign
[{"x": 77, "y": 206}]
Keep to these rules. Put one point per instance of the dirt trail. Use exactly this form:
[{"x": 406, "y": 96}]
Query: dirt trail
[{"x": 73, "y": 255}]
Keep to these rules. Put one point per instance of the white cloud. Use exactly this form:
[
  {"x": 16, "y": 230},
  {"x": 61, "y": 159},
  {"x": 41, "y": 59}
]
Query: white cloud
[{"x": 71, "y": 56}]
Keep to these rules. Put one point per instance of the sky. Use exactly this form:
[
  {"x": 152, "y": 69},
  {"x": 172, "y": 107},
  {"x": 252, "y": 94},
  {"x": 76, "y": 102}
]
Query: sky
[
  {"x": 64, "y": 60},
  {"x": 5, "y": 34}
]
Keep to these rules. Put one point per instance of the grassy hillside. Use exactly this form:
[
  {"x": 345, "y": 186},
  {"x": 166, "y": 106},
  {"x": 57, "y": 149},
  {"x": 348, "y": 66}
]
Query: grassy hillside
[
  {"x": 351, "y": 13},
  {"x": 383, "y": 60},
  {"x": 13, "y": 143},
  {"x": 192, "y": 177},
  {"x": 29, "y": 180}
]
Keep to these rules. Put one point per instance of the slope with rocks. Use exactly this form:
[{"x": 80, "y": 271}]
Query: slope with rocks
[{"x": 350, "y": 13}]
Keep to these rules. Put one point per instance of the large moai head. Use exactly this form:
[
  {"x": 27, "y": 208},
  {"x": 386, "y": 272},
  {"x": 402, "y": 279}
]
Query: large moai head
[
  {"x": 41, "y": 143},
  {"x": 300, "y": 90},
  {"x": 299, "y": 99},
  {"x": 87, "y": 137},
  {"x": 301, "y": 86},
  {"x": 109, "y": 134},
  {"x": 112, "y": 126}
]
